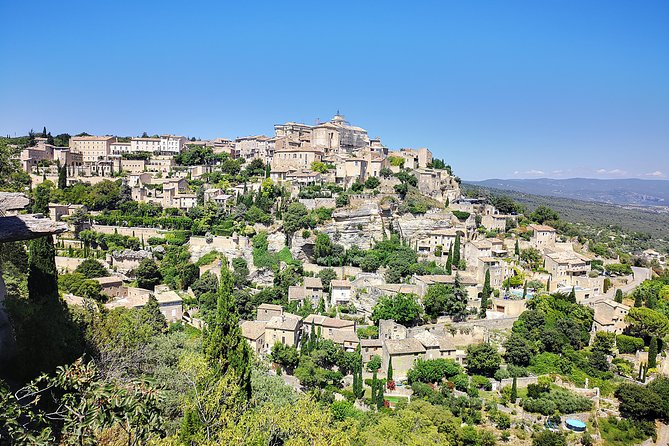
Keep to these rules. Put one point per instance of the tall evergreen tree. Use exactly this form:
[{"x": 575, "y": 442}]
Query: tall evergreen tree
[
  {"x": 44, "y": 132},
  {"x": 449, "y": 261},
  {"x": 485, "y": 294},
  {"x": 456, "y": 251},
  {"x": 514, "y": 391},
  {"x": 374, "y": 386},
  {"x": 62, "y": 177},
  {"x": 572, "y": 294},
  {"x": 619, "y": 296},
  {"x": 358, "y": 390},
  {"x": 379, "y": 395},
  {"x": 652, "y": 353},
  {"x": 223, "y": 345},
  {"x": 517, "y": 249},
  {"x": 525, "y": 290},
  {"x": 389, "y": 375}
]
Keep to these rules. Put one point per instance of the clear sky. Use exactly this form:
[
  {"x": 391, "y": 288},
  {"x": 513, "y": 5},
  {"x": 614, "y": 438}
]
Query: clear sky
[{"x": 505, "y": 89}]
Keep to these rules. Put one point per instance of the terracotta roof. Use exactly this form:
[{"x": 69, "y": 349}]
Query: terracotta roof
[
  {"x": 340, "y": 283},
  {"x": 404, "y": 346},
  {"x": 377, "y": 343},
  {"x": 107, "y": 280},
  {"x": 342, "y": 336},
  {"x": 313, "y": 282},
  {"x": 253, "y": 329},
  {"x": 542, "y": 228},
  {"x": 286, "y": 322}
]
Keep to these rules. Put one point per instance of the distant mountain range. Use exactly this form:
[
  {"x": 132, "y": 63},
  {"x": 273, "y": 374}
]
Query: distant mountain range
[{"x": 626, "y": 192}]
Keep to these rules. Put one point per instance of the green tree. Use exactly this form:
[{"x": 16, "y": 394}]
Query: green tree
[
  {"x": 358, "y": 390},
  {"x": 543, "y": 214},
  {"x": 514, "y": 391},
  {"x": 91, "y": 269},
  {"x": 456, "y": 251},
  {"x": 148, "y": 274},
  {"x": 518, "y": 350},
  {"x": 285, "y": 355},
  {"x": 433, "y": 370},
  {"x": 372, "y": 183},
  {"x": 647, "y": 323},
  {"x": 224, "y": 347},
  {"x": 389, "y": 375},
  {"x": 483, "y": 359},
  {"x": 374, "y": 364},
  {"x": 619, "y": 296},
  {"x": 295, "y": 218},
  {"x": 62, "y": 177},
  {"x": 652, "y": 353},
  {"x": 485, "y": 295},
  {"x": 549, "y": 438},
  {"x": 402, "y": 308}
]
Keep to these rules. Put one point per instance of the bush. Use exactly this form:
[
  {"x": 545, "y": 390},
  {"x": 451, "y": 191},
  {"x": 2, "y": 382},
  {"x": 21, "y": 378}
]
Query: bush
[
  {"x": 629, "y": 344},
  {"x": 557, "y": 400},
  {"x": 433, "y": 370},
  {"x": 481, "y": 382}
]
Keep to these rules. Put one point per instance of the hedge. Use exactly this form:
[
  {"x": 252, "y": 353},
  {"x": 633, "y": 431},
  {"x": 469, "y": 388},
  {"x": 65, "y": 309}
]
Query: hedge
[{"x": 629, "y": 344}]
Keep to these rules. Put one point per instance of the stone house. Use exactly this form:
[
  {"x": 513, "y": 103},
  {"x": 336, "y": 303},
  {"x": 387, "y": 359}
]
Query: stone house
[
  {"x": 254, "y": 333},
  {"x": 286, "y": 328},
  {"x": 268, "y": 311},
  {"x": 111, "y": 286},
  {"x": 342, "y": 292},
  {"x": 403, "y": 353},
  {"x": 370, "y": 348},
  {"x": 610, "y": 316},
  {"x": 543, "y": 236}
]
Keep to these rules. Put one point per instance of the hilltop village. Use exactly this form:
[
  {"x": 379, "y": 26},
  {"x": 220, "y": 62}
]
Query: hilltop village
[{"x": 361, "y": 275}]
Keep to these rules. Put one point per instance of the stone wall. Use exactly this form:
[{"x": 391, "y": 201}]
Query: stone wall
[
  {"x": 67, "y": 264},
  {"x": 130, "y": 231}
]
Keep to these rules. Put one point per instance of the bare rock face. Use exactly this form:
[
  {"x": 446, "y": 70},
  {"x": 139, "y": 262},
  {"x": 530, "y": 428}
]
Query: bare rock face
[
  {"x": 302, "y": 248},
  {"x": 366, "y": 294},
  {"x": 263, "y": 277},
  {"x": 276, "y": 241},
  {"x": 359, "y": 226},
  {"x": 416, "y": 227}
]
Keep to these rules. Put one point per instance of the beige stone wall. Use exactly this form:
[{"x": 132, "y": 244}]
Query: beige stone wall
[{"x": 131, "y": 231}]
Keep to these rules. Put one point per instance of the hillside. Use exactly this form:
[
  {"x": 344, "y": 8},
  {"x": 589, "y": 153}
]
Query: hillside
[
  {"x": 592, "y": 213},
  {"x": 629, "y": 191}
]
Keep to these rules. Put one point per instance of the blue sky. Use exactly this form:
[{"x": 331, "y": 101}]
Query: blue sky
[{"x": 506, "y": 89}]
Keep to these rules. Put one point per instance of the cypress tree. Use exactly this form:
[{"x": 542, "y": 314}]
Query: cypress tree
[
  {"x": 374, "y": 386},
  {"x": 449, "y": 261},
  {"x": 652, "y": 353},
  {"x": 456, "y": 251},
  {"x": 514, "y": 391},
  {"x": 485, "y": 294},
  {"x": 638, "y": 301},
  {"x": 389, "y": 376},
  {"x": 357, "y": 375},
  {"x": 379, "y": 396},
  {"x": 517, "y": 249},
  {"x": 572, "y": 294},
  {"x": 525, "y": 290},
  {"x": 223, "y": 345},
  {"x": 548, "y": 285},
  {"x": 62, "y": 177},
  {"x": 619, "y": 296},
  {"x": 44, "y": 132}
]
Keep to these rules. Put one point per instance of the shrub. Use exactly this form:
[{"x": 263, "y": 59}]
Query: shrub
[
  {"x": 433, "y": 370},
  {"x": 629, "y": 344},
  {"x": 481, "y": 382}
]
